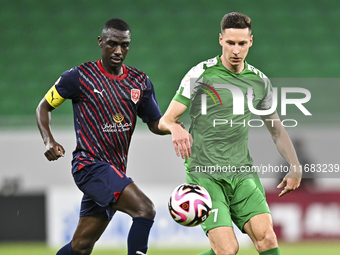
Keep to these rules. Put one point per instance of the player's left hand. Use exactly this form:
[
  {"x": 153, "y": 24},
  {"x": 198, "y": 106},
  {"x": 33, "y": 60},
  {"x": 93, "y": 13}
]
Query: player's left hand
[{"x": 291, "y": 182}]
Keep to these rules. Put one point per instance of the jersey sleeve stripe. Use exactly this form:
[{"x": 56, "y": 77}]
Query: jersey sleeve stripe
[{"x": 182, "y": 99}]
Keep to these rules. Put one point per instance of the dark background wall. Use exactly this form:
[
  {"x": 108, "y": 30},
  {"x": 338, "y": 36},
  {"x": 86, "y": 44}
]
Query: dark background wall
[{"x": 22, "y": 218}]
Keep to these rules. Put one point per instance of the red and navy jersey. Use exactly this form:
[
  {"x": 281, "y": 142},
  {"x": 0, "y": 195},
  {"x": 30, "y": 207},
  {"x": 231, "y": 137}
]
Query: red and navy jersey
[{"x": 105, "y": 110}]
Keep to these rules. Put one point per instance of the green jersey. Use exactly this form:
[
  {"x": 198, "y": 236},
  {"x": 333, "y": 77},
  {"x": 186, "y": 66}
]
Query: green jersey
[{"x": 221, "y": 104}]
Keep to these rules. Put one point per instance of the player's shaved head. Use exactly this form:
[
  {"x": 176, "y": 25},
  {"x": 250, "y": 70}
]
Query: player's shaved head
[
  {"x": 235, "y": 20},
  {"x": 116, "y": 23}
]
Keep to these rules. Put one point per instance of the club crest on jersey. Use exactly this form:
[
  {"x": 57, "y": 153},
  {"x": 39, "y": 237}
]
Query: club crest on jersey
[{"x": 135, "y": 94}]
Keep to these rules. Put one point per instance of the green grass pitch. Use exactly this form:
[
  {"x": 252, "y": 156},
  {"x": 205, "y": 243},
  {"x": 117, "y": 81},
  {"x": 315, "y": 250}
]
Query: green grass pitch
[{"x": 307, "y": 248}]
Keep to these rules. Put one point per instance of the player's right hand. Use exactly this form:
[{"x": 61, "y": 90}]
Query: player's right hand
[
  {"x": 54, "y": 151},
  {"x": 182, "y": 141}
]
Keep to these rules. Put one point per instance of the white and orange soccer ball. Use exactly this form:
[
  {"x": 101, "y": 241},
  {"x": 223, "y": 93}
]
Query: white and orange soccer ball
[{"x": 189, "y": 204}]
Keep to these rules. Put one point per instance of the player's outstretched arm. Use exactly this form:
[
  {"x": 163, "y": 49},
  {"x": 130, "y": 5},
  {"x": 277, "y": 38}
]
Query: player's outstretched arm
[
  {"x": 285, "y": 147},
  {"x": 43, "y": 114},
  {"x": 169, "y": 124},
  {"x": 153, "y": 127}
]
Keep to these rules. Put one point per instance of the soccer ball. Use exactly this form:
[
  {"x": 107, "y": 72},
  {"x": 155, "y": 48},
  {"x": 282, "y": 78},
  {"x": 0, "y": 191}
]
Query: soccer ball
[{"x": 189, "y": 204}]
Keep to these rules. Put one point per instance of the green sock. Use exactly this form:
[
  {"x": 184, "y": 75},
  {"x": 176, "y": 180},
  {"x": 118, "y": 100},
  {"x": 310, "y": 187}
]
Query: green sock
[
  {"x": 274, "y": 251},
  {"x": 210, "y": 252}
]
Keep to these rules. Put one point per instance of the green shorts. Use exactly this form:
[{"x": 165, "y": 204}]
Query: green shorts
[{"x": 233, "y": 200}]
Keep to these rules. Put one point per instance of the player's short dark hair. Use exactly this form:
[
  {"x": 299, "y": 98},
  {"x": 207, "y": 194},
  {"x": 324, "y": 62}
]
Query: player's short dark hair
[
  {"x": 118, "y": 24},
  {"x": 235, "y": 20}
]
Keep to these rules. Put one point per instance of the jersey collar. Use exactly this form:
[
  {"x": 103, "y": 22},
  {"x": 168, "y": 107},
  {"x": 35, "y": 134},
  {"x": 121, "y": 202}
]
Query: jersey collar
[
  {"x": 220, "y": 63},
  {"x": 111, "y": 76}
]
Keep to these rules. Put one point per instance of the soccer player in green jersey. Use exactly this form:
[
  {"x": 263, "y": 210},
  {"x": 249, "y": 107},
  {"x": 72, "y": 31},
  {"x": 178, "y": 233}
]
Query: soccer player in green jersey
[{"x": 222, "y": 93}]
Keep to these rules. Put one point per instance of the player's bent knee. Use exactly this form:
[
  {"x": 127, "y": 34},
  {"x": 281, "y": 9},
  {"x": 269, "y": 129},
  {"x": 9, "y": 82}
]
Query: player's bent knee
[
  {"x": 230, "y": 248},
  {"x": 269, "y": 241},
  {"x": 135, "y": 203},
  {"x": 82, "y": 247},
  {"x": 147, "y": 210},
  {"x": 229, "y": 251},
  {"x": 152, "y": 212}
]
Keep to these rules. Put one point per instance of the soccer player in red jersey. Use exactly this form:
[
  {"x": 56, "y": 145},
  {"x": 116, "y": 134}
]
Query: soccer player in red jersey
[{"x": 107, "y": 97}]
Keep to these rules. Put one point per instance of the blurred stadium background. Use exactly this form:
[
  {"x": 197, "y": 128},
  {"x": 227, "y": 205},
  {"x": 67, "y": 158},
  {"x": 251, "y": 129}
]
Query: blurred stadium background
[{"x": 295, "y": 44}]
